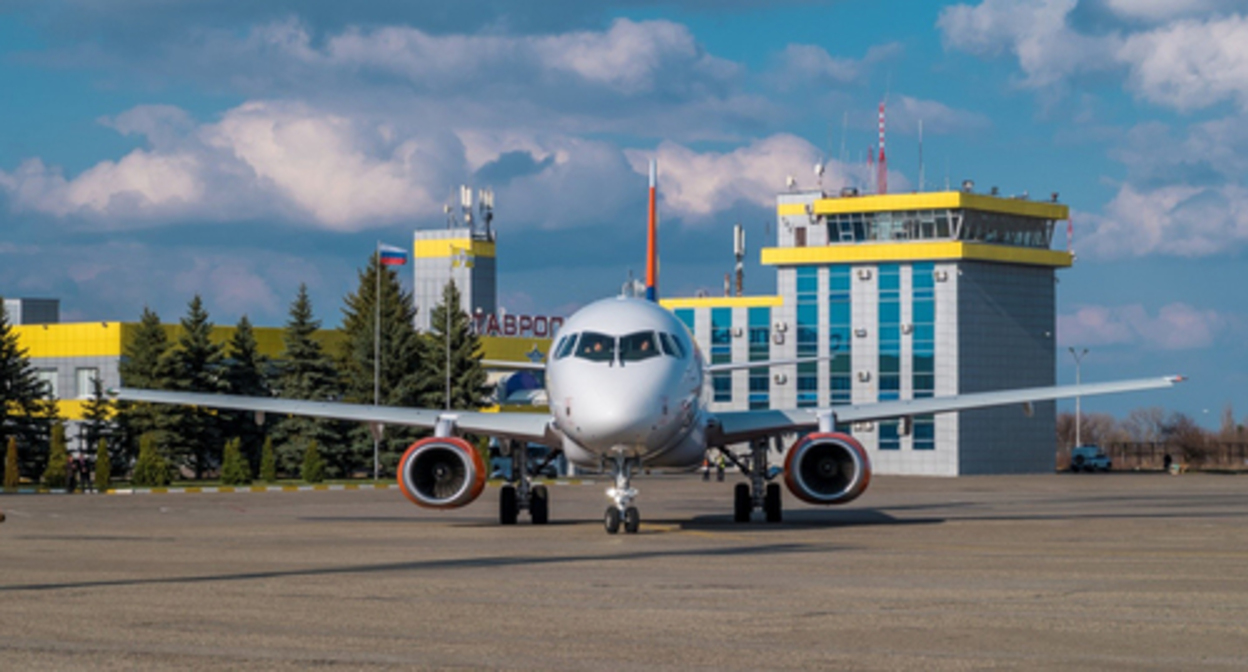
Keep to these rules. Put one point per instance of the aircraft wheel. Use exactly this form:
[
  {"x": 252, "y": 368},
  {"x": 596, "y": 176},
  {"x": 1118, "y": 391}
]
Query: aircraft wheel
[
  {"x": 632, "y": 520},
  {"x": 771, "y": 503},
  {"x": 539, "y": 505},
  {"x": 611, "y": 520},
  {"x": 741, "y": 504},
  {"x": 508, "y": 510}
]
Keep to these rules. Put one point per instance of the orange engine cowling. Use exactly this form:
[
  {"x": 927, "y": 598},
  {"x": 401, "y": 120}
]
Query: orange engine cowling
[
  {"x": 441, "y": 473},
  {"x": 828, "y": 468}
]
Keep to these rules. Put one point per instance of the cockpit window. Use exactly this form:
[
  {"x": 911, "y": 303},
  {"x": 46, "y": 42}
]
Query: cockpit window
[
  {"x": 596, "y": 347},
  {"x": 671, "y": 345},
  {"x": 566, "y": 346},
  {"x": 638, "y": 346}
]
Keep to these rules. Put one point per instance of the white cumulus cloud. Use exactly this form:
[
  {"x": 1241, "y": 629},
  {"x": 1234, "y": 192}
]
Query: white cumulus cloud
[{"x": 1176, "y": 326}]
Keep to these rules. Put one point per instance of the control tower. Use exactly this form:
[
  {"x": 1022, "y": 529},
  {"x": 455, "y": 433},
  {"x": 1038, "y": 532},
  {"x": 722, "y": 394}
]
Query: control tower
[{"x": 910, "y": 296}]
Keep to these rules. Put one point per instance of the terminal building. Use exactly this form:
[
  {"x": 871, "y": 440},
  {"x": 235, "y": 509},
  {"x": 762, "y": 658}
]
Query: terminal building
[{"x": 905, "y": 296}]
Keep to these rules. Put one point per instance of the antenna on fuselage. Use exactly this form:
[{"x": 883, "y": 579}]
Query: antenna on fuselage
[{"x": 652, "y": 243}]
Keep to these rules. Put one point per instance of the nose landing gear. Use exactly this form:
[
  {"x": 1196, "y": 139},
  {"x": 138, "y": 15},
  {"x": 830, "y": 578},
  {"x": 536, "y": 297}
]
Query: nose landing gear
[{"x": 623, "y": 494}]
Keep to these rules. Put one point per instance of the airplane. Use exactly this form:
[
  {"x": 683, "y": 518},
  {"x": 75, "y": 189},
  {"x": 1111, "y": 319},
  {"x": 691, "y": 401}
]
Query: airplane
[{"x": 625, "y": 383}]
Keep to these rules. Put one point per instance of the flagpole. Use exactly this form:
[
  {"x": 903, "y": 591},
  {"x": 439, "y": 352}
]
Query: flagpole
[{"x": 377, "y": 360}]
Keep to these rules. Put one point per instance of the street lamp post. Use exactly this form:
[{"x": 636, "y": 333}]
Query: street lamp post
[{"x": 1078, "y": 415}]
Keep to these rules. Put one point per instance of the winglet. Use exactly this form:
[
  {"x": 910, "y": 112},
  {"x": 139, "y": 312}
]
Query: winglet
[{"x": 652, "y": 248}]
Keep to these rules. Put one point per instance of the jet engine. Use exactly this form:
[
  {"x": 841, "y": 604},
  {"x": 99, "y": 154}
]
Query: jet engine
[
  {"x": 441, "y": 473},
  {"x": 827, "y": 469}
]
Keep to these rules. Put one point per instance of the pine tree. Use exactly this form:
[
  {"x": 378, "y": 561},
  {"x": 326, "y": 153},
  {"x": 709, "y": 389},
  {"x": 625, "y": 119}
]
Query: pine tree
[
  {"x": 245, "y": 371},
  {"x": 313, "y": 469},
  {"x": 151, "y": 469},
  {"x": 468, "y": 378},
  {"x": 103, "y": 468},
  {"x": 402, "y": 352},
  {"x": 195, "y": 366},
  {"x": 306, "y": 372},
  {"x": 144, "y": 366},
  {"x": 268, "y": 462},
  {"x": 12, "y": 478},
  {"x": 26, "y": 409},
  {"x": 56, "y": 475},
  {"x": 97, "y": 414},
  {"x": 234, "y": 469}
]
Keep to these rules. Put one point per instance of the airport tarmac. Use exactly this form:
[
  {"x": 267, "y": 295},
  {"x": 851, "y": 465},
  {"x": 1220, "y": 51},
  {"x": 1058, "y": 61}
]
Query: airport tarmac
[{"x": 1114, "y": 571}]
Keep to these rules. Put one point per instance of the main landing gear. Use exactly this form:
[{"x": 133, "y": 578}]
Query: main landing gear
[
  {"x": 758, "y": 493},
  {"x": 623, "y": 494},
  {"x": 519, "y": 493}
]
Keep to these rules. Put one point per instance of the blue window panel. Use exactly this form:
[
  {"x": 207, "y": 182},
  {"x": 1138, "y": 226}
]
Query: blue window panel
[
  {"x": 890, "y": 312},
  {"x": 924, "y": 312},
  {"x": 685, "y": 315},
  {"x": 723, "y": 386},
  {"x": 839, "y": 364},
  {"x": 924, "y": 432},
  {"x": 760, "y": 317},
  {"x": 838, "y": 312},
  {"x": 838, "y": 280},
  {"x": 807, "y": 399},
  {"x": 808, "y": 280},
  {"x": 889, "y": 437},
  {"x": 808, "y": 313},
  {"x": 890, "y": 277},
  {"x": 890, "y": 336},
  {"x": 889, "y": 383},
  {"x": 922, "y": 276},
  {"x": 890, "y": 364}
]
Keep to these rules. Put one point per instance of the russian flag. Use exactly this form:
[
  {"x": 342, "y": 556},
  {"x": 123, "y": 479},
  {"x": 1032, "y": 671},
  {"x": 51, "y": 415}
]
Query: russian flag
[{"x": 391, "y": 255}]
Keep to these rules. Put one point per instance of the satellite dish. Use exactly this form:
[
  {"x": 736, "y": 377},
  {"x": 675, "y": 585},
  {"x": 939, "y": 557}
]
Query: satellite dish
[
  {"x": 790, "y": 182},
  {"x": 818, "y": 170}
]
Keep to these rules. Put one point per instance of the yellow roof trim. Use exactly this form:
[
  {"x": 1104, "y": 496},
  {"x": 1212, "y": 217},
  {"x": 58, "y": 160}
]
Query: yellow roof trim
[
  {"x": 936, "y": 200},
  {"x": 723, "y": 302},
  {"x": 892, "y": 252},
  {"x": 446, "y": 247},
  {"x": 78, "y": 339}
]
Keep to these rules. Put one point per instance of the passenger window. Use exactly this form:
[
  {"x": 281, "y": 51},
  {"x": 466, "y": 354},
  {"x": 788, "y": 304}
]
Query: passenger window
[
  {"x": 638, "y": 346},
  {"x": 671, "y": 345},
  {"x": 566, "y": 346},
  {"x": 596, "y": 347}
]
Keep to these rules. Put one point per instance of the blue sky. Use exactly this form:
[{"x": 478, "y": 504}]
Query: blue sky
[{"x": 155, "y": 149}]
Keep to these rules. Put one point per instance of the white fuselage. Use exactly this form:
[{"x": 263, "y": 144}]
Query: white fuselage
[{"x": 624, "y": 378}]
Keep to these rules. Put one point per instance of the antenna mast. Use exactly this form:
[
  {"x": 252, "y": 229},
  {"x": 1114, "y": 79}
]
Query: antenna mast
[{"x": 881, "y": 180}]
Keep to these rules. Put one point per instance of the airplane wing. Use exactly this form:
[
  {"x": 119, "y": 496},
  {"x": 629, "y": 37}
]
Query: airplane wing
[
  {"x": 534, "y": 427},
  {"x": 519, "y": 366},
  {"x": 737, "y": 426},
  {"x": 733, "y": 366}
]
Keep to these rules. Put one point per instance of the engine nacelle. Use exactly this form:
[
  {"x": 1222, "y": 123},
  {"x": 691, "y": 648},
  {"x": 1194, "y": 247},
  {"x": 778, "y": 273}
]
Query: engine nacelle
[
  {"x": 827, "y": 469},
  {"x": 441, "y": 473}
]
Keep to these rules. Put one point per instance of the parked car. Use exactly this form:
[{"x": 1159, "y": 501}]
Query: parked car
[{"x": 1089, "y": 458}]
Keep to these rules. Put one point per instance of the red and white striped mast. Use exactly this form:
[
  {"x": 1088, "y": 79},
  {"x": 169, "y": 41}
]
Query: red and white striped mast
[{"x": 881, "y": 166}]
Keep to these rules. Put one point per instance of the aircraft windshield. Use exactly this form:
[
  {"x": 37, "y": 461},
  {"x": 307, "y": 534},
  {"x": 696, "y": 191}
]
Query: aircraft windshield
[
  {"x": 638, "y": 346},
  {"x": 566, "y": 346},
  {"x": 596, "y": 347},
  {"x": 671, "y": 345}
]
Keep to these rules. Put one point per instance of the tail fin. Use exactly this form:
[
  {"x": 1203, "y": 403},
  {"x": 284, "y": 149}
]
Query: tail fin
[{"x": 652, "y": 242}]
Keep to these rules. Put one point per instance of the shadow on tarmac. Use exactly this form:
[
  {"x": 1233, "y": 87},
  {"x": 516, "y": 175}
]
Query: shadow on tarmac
[{"x": 425, "y": 565}]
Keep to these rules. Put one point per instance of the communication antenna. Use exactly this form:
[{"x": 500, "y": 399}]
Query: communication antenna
[
  {"x": 486, "y": 206},
  {"x": 881, "y": 180},
  {"x": 465, "y": 202},
  {"x": 738, "y": 251}
]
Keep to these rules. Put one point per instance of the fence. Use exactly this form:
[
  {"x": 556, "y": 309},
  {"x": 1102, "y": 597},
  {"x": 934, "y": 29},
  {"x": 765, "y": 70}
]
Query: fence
[{"x": 1151, "y": 455}]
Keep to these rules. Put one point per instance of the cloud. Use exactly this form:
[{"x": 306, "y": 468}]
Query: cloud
[
  {"x": 1185, "y": 64},
  {"x": 905, "y": 112},
  {"x": 809, "y": 65},
  {"x": 1176, "y": 326}
]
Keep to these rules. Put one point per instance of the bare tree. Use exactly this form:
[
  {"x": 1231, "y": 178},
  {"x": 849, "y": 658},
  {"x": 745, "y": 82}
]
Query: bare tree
[{"x": 1145, "y": 424}]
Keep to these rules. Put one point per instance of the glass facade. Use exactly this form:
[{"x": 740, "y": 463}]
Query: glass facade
[
  {"x": 889, "y": 376},
  {"x": 923, "y": 349},
  {"x": 760, "y": 351},
  {"x": 840, "y": 341},
  {"x": 969, "y": 225},
  {"x": 807, "y": 336},
  {"x": 721, "y": 352}
]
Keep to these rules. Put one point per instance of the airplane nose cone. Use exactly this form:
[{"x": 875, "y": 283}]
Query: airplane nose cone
[{"x": 605, "y": 417}]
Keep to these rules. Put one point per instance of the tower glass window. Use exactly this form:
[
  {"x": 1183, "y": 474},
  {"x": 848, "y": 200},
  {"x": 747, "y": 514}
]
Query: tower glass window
[
  {"x": 923, "y": 348},
  {"x": 760, "y": 351},
  {"x": 807, "y": 335},
  {"x": 721, "y": 352}
]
